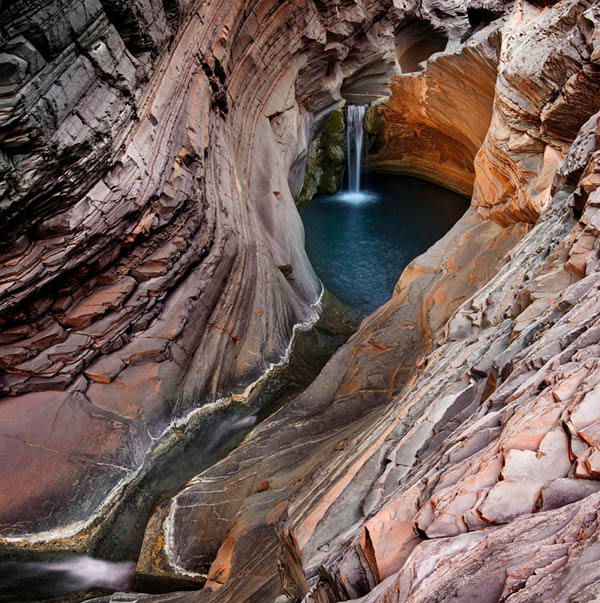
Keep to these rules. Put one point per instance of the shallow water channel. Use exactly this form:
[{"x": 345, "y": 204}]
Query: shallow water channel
[{"x": 208, "y": 437}]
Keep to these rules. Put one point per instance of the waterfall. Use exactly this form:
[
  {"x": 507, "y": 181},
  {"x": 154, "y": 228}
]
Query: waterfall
[{"x": 354, "y": 144}]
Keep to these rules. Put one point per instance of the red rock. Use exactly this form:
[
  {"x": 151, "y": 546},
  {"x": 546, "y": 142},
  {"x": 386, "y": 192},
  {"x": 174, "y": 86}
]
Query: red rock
[
  {"x": 63, "y": 439},
  {"x": 140, "y": 193},
  {"x": 102, "y": 301},
  {"x": 105, "y": 369}
]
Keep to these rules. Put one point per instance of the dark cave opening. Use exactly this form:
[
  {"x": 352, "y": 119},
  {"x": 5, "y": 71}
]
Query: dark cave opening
[{"x": 480, "y": 17}]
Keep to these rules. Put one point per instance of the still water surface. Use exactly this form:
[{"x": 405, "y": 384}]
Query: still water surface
[{"x": 359, "y": 243}]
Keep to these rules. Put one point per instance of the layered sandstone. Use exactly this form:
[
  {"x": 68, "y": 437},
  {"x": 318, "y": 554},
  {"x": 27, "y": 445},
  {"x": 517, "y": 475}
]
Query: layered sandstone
[
  {"x": 547, "y": 88},
  {"x": 440, "y": 106},
  {"x": 305, "y": 453},
  {"x": 152, "y": 261},
  {"x": 154, "y": 264},
  {"x": 448, "y": 450}
]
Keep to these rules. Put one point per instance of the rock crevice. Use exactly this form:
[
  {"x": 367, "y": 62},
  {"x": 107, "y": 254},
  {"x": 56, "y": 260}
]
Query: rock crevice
[{"x": 459, "y": 419}]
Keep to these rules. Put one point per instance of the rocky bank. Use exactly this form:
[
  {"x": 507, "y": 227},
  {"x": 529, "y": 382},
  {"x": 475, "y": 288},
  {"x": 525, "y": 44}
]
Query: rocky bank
[{"x": 153, "y": 265}]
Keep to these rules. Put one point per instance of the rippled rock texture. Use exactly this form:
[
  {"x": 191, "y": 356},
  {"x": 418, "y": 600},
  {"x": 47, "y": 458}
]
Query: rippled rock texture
[
  {"x": 440, "y": 106},
  {"x": 152, "y": 257},
  {"x": 448, "y": 451}
]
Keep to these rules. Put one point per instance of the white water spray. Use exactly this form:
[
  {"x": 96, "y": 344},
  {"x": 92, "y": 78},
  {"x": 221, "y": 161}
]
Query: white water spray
[
  {"x": 22, "y": 581},
  {"x": 227, "y": 427},
  {"x": 87, "y": 572}
]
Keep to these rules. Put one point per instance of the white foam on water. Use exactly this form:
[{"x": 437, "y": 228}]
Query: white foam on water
[
  {"x": 356, "y": 197},
  {"x": 86, "y": 572}
]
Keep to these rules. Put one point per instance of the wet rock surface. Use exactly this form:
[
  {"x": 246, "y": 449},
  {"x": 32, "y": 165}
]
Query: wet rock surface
[{"x": 325, "y": 159}]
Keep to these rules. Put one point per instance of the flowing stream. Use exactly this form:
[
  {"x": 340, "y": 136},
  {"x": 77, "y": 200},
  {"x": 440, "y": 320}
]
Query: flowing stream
[
  {"x": 34, "y": 581},
  {"x": 358, "y": 242},
  {"x": 202, "y": 442}
]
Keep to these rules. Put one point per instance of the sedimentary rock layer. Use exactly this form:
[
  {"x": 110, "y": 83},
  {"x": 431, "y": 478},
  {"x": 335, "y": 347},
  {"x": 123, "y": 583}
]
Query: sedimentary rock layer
[
  {"x": 547, "y": 88},
  {"x": 437, "y": 116},
  {"x": 152, "y": 260},
  {"x": 449, "y": 450},
  {"x": 241, "y": 500}
]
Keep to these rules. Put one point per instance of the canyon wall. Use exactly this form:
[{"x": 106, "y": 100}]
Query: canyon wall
[
  {"x": 448, "y": 451},
  {"x": 153, "y": 265},
  {"x": 152, "y": 259},
  {"x": 437, "y": 115}
]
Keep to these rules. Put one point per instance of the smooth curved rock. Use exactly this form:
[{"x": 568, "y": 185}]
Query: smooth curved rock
[
  {"x": 436, "y": 119},
  {"x": 146, "y": 216},
  {"x": 449, "y": 450},
  {"x": 248, "y": 491},
  {"x": 460, "y": 419}
]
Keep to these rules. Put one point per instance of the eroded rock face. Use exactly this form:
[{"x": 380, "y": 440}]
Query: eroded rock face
[
  {"x": 152, "y": 259},
  {"x": 448, "y": 451},
  {"x": 440, "y": 107},
  {"x": 548, "y": 86},
  {"x": 247, "y": 494}
]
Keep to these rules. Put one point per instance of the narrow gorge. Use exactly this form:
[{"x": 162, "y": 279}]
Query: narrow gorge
[{"x": 187, "y": 414}]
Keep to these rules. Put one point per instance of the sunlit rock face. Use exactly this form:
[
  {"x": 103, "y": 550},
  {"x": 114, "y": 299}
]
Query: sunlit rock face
[
  {"x": 152, "y": 256},
  {"x": 548, "y": 85},
  {"x": 440, "y": 106}
]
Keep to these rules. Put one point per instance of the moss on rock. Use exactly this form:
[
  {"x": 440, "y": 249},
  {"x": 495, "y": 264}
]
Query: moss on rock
[
  {"x": 312, "y": 175},
  {"x": 325, "y": 159},
  {"x": 373, "y": 126},
  {"x": 332, "y": 152}
]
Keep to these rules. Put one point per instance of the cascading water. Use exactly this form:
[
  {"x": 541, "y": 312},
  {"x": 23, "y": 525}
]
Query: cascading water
[
  {"x": 354, "y": 144},
  {"x": 35, "y": 581}
]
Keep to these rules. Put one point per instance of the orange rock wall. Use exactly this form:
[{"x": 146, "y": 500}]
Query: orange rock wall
[
  {"x": 449, "y": 450},
  {"x": 546, "y": 90},
  {"x": 435, "y": 121}
]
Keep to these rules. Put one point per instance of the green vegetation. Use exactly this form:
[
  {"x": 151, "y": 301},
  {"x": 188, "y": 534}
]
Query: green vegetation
[
  {"x": 325, "y": 159},
  {"x": 373, "y": 126}
]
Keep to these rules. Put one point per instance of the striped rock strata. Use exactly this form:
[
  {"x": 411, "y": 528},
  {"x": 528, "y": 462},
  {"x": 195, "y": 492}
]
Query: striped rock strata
[
  {"x": 439, "y": 111},
  {"x": 152, "y": 258},
  {"x": 449, "y": 451}
]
